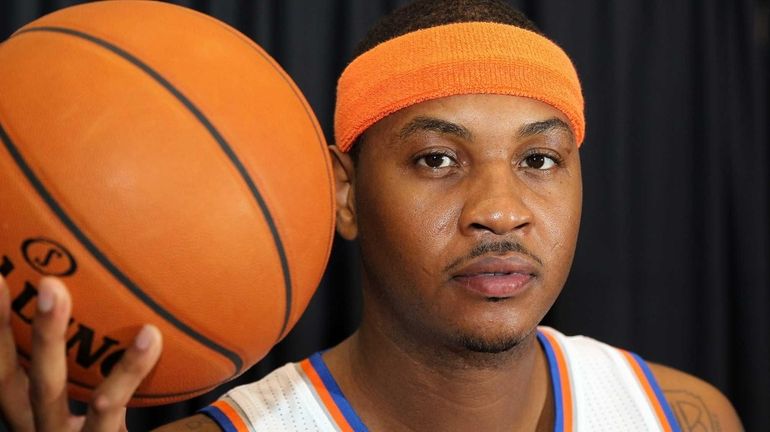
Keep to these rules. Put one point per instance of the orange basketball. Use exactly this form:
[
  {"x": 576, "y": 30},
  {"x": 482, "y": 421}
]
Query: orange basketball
[{"x": 168, "y": 170}]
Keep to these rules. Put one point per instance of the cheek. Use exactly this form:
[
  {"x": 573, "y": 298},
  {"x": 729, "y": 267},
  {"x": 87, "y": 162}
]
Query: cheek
[
  {"x": 559, "y": 213},
  {"x": 436, "y": 213},
  {"x": 405, "y": 224}
]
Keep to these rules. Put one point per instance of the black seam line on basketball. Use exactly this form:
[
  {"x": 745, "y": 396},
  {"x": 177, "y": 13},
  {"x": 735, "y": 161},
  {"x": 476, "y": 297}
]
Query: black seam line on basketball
[
  {"x": 225, "y": 147},
  {"x": 100, "y": 256},
  {"x": 65, "y": 219},
  {"x": 104, "y": 261},
  {"x": 319, "y": 135},
  {"x": 303, "y": 101},
  {"x": 23, "y": 354}
]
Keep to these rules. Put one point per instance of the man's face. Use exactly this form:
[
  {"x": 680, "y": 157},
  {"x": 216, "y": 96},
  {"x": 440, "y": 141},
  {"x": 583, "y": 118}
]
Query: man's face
[{"x": 467, "y": 210}]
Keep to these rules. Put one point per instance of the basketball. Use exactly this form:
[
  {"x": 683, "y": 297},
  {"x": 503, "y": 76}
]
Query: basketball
[{"x": 169, "y": 172}]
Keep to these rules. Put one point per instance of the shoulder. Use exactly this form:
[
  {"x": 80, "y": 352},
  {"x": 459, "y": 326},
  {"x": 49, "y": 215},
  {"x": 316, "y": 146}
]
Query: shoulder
[
  {"x": 697, "y": 405},
  {"x": 198, "y": 423},
  {"x": 266, "y": 404}
]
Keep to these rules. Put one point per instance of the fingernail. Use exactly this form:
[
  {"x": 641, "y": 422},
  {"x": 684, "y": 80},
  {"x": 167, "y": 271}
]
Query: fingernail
[
  {"x": 143, "y": 339},
  {"x": 45, "y": 301}
]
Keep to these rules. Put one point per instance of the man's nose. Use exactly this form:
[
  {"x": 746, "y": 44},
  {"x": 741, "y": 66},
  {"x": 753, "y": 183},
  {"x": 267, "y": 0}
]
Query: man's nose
[{"x": 497, "y": 201}]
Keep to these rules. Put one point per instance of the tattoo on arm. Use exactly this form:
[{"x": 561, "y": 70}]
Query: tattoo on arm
[{"x": 691, "y": 412}]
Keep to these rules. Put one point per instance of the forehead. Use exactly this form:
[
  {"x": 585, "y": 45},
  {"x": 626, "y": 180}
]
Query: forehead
[{"x": 486, "y": 114}]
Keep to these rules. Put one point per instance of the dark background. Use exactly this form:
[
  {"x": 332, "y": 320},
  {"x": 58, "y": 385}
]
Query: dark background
[{"x": 674, "y": 256}]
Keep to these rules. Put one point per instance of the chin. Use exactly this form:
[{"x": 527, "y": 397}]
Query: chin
[
  {"x": 487, "y": 345},
  {"x": 490, "y": 342}
]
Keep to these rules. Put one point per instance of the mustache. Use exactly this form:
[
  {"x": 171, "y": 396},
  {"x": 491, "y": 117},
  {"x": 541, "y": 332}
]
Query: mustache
[{"x": 492, "y": 248}]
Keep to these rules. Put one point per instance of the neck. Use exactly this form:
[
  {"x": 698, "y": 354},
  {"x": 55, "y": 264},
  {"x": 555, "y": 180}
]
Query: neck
[{"x": 396, "y": 383}]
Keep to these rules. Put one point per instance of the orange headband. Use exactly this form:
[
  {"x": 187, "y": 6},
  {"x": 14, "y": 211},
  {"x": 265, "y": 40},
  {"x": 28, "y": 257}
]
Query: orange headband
[{"x": 454, "y": 59}]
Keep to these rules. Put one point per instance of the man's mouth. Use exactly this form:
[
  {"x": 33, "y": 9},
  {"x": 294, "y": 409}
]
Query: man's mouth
[{"x": 496, "y": 277}]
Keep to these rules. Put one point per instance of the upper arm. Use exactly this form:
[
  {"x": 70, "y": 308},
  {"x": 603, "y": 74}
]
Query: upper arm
[
  {"x": 196, "y": 423},
  {"x": 697, "y": 405}
]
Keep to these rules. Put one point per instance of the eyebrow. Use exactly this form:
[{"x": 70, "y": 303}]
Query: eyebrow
[
  {"x": 432, "y": 124},
  {"x": 541, "y": 127}
]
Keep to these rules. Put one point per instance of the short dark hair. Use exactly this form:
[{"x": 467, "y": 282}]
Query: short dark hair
[{"x": 422, "y": 14}]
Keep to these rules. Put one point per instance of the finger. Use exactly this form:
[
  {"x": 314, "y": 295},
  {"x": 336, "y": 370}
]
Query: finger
[
  {"x": 13, "y": 381},
  {"x": 107, "y": 410},
  {"x": 123, "y": 426},
  {"x": 76, "y": 423},
  {"x": 48, "y": 371}
]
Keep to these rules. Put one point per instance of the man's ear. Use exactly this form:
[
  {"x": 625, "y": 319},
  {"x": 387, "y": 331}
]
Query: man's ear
[{"x": 344, "y": 179}]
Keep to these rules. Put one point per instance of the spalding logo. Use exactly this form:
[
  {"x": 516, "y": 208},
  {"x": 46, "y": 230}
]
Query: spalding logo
[
  {"x": 48, "y": 258},
  {"x": 87, "y": 353}
]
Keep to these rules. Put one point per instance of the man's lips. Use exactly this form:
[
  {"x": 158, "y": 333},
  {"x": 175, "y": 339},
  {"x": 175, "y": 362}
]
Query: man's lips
[{"x": 496, "y": 276}]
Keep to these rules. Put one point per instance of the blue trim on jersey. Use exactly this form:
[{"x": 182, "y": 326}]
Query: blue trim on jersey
[
  {"x": 334, "y": 389},
  {"x": 219, "y": 417},
  {"x": 658, "y": 393},
  {"x": 553, "y": 367}
]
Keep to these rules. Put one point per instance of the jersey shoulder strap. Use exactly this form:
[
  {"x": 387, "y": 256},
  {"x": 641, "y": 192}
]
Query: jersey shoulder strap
[
  {"x": 295, "y": 397},
  {"x": 603, "y": 388}
]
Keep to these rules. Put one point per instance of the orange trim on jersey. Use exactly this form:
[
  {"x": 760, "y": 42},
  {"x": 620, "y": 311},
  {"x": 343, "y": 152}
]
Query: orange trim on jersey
[
  {"x": 565, "y": 379},
  {"x": 231, "y": 414},
  {"x": 644, "y": 382},
  {"x": 326, "y": 397}
]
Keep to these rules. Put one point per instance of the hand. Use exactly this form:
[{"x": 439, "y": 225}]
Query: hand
[{"x": 38, "y": 401}]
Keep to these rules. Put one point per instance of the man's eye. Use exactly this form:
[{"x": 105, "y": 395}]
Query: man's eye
[
  {"x": 436, "y": 161},
  {"x": 539, "y": 161}
]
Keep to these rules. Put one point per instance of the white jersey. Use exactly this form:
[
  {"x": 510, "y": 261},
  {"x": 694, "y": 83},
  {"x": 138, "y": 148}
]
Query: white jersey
[{"x": 596, "y": 387}]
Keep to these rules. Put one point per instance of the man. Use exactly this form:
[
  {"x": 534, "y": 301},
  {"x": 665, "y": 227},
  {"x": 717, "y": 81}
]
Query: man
[{"x": 458, "y": 172}]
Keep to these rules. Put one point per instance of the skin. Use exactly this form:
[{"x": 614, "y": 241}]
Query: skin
[
  {"x": 413, "y": 221},
  {"x": 46, "y": 408},
  {"x": 697, "y": 405},
  {"x": 432, "y": 183}
]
